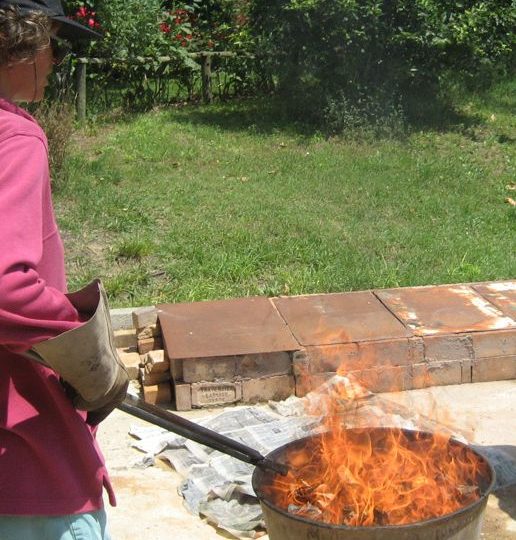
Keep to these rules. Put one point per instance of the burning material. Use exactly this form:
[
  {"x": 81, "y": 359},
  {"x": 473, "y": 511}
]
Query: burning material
[{"x": 373, "y": 476}]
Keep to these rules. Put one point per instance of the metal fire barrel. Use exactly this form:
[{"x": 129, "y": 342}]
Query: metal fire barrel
[{"x": 463, "y": 524}]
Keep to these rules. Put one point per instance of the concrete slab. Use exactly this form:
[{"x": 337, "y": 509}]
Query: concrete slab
[
  {"x": 444, "y": 309},
  {"x": 223, "y": 328},
  {"x": 328, "y": 319},
  {"x": 149, "y": 506}
]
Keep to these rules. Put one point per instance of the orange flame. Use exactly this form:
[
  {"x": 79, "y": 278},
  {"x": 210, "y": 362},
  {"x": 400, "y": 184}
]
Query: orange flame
[{"x": 375, "y": 476}]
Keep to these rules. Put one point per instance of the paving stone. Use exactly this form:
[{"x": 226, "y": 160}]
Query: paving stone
[
  {"x": 207, "y": 394},
  {"x": 444, "y": 309},
  {"x": 121, "y": 318},
  {"x": 224, "y": 328},
  {"x": 437, "y": 374},
  {"x": 448, "y": 347},
  {"x": 183, "y": 396},
  {"x": 158, "y": 394},
  {"x": 338, "y": 318},
  {"x": 498, "y": 368},
  {"x": 494, "y": 343},
  {"x": 274, "y": 388},
  {"x": 500, "y": 293},
  {"x": 144, "y": 316}
]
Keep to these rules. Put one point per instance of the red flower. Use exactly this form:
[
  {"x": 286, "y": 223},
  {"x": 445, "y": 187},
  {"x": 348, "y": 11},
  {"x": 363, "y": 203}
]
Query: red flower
[
  {"x": 183, "y": 43},
  {"x": 164, "y": 27},
  {"x": 188, "y": 36},
  {"x": 179, "y": 37}
]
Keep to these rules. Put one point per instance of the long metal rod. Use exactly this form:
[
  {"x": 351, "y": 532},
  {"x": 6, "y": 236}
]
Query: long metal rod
[{"x": 185, "y": 428}]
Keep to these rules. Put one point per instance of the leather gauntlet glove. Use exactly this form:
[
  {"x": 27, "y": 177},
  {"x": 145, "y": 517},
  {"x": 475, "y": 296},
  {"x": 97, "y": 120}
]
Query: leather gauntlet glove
[{"x": 86, "y": 357}]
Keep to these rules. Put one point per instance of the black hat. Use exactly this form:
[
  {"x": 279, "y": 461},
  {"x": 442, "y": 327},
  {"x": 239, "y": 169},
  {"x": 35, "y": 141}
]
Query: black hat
[{"x": 68, "y": 29}]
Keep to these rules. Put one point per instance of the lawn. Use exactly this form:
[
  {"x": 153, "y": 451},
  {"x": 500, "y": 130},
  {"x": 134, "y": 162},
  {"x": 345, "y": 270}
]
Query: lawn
[{"x": 229, "y": 200}]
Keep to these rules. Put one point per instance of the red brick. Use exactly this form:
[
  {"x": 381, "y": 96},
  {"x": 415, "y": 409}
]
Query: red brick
[
  {"x": 263, "y": 365},
  {"x": 159, "y": 393},
  {"x": 448, "y": 347},
  {"x": 467, "y": 371},
  {"x": 146, "y": 345},
  {"x": 436, "y": 374},
  {"x": 151, "y": 379},
  {"x": 494, "y": 343},
  {"x": 384, "y": 379},
  {"x": 147, "y": 332},
  {"x": 328, "y": 358},
  {"x": 209, "y": 369},
  {"x": 308, "y": 383},
  {"x": 131, "y": 361},
  {"x": 207, "y": 394},
  {"x": 268, "y": 388},
  {"x": 183, "y": 396},
  {"x": 395, "y": 352},
  {"x": 498, "y": 368},
  {"x": 144, "y": 316},
  {"x": 125, "y": 338},
  {"x": 156, "y": 362},
  {"x": 300, "y": 362}
]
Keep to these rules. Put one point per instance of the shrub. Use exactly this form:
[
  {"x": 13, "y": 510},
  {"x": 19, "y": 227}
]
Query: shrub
[{"x": 57, "y": 120}]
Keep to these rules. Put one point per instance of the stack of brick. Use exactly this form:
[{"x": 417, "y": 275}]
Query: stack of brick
[
  {"x": 247, "y": 350},
  {"x": 403, "y": 339},
  {"x": 231, "y": 351},
  {"x": 154, "y": 368}
]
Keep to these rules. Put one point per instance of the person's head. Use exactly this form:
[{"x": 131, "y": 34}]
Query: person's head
[{"x": 31, "y": 42}]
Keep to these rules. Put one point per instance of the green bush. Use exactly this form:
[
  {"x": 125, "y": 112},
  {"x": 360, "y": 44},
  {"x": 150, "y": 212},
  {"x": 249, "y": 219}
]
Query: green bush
[{"x": 376, "y": 56}]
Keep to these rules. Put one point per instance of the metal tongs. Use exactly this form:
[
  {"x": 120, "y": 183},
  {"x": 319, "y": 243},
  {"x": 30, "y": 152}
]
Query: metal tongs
[{"x": 180, "y": 426}]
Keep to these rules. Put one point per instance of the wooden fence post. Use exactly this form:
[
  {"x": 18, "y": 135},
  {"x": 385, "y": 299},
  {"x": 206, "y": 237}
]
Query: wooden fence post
[
  {"x": 80, "y": 88},
  {"x": 207, "y": 94}
]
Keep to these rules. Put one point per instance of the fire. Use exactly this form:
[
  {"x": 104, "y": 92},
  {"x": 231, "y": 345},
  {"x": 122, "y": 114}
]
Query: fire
[{"x": 364, "y": 477}]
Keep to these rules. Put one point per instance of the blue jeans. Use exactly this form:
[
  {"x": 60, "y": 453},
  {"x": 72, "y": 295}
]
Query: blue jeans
[{"x": 90, "y": 526}]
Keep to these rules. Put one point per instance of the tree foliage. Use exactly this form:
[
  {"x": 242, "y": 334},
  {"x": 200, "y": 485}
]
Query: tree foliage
[{"x": 377, "y": 54}]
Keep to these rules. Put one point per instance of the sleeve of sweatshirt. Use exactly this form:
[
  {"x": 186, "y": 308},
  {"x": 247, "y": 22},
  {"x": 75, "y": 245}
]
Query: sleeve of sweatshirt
[{"x": 30, "y": 311}]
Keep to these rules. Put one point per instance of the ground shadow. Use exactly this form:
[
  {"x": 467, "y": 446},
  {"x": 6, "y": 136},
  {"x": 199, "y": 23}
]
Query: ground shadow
[
  {"x": 503, "y": 460},
  {"x": 268, "y": 115}
]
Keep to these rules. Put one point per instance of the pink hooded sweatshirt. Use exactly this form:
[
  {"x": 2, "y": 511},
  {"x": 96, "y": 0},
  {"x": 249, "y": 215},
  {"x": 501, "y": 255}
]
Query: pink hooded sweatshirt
[{"x": 50, "y": 463}]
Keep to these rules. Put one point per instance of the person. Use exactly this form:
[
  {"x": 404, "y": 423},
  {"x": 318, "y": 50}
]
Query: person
[{"x": 59, "y": 372}]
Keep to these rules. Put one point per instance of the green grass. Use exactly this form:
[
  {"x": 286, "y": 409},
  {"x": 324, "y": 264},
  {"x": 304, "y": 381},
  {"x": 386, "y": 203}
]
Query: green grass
[{"x": 229, "y": 200}]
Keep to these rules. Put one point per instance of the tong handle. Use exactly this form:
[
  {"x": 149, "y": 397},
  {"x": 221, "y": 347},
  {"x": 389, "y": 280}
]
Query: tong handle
[{"x": 185, "y": 428}]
